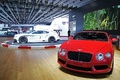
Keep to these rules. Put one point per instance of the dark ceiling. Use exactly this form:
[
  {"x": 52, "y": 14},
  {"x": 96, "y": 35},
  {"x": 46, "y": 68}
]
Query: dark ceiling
[
  {"x": 39, "y": 11},
  {"x": 36, "y": 11}
]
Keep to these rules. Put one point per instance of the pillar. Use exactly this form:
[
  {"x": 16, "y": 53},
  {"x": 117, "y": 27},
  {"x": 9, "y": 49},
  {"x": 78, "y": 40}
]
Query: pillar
[{"x": 76, "y": 20}]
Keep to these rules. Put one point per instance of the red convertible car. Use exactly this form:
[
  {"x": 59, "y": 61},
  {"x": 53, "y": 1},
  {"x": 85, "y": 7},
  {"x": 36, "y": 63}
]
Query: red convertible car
[{"x": 89, "y": 52}]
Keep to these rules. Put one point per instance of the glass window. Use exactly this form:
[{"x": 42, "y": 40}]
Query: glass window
[
  {"x": 4, "y": 29},
  {"x": 91, "y": 36},
  {"x": 46, "y": 32},
  {"x": 37, "y": 32},
  {"x": 40, "y": 32},
  {"x": 63, "y": 23}
]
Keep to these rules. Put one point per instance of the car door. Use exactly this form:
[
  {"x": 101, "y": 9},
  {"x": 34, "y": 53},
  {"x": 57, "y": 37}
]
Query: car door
[
  {"x": 43, "y": 35},
  {"x": 34, "y": 36},
  {"x": 39, "y": 36}
]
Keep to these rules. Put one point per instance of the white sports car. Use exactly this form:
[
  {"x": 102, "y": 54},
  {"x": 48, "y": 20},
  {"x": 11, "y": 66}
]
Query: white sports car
[{"x": 37, "y": 36}]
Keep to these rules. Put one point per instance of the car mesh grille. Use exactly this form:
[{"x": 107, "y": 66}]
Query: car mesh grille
[{"x": 79, "y": 56}]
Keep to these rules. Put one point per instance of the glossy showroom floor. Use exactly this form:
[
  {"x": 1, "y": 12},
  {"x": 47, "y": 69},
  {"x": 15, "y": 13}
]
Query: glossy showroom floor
[{"x": 26, "y": 64}]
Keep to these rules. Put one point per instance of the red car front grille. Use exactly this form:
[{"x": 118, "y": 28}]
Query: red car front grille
[{"x": 79, "y": 56}]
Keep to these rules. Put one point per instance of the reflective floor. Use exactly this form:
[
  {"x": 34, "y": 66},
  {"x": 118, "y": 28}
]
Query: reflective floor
[{"x": 26, "y": 64}]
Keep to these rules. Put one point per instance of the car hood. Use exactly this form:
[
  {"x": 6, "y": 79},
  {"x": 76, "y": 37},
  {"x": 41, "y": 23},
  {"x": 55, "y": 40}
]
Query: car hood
[{"x": 86, "y": 45}]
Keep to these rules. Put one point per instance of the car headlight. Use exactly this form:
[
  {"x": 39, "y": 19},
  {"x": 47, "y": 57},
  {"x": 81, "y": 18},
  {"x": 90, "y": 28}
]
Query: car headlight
[
  {"x": 62, "y": 52},
  {"x": 108, "y": 55},
  {"x": 99, "y": 56}
]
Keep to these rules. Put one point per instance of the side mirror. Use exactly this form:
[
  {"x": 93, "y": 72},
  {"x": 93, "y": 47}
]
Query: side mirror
[
  {"x": 114, "y": 40},
  {"x": 70, "y": 37}
]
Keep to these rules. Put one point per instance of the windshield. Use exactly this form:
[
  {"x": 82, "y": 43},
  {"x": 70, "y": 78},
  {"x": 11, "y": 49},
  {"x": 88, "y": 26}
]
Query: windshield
[
  {"x": 91, "y": 36},
  {"x": 4, "y": 29}
]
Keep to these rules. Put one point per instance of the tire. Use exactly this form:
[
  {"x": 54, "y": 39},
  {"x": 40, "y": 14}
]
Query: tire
[
  {"x": 51, "y": 39},
  {"x": 109, "y": 73},
  {"x": 23, "y": 39}
]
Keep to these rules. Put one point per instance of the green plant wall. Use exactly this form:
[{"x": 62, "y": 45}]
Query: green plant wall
[{"x": 104, "y": 19}]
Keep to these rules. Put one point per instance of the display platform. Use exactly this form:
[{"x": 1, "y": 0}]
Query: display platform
[{"x": 40, "y": 45}]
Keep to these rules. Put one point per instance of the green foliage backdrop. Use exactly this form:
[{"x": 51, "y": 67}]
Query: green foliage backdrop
[{"x": 104, "y": 19}]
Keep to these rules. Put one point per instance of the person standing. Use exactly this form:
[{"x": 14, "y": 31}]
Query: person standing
[{"x": 69, "y": 33}]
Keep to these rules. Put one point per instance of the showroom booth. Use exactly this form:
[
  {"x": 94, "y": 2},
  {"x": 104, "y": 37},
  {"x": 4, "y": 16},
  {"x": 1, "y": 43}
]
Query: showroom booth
[{"x": 77, "y": 17}]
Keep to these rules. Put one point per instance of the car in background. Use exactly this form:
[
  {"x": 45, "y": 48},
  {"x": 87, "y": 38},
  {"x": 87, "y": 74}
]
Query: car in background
[
  {"x": 3, "y": 31},
  {"x": 37, "y": 36},
  {"x": 7, "y": 31},
  {"x": 89, "y": 52},
  {"x": 11, "y": 32}
]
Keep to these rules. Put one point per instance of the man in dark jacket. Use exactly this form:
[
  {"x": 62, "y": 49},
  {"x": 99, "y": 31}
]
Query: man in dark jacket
[{"x": 69, "y": 33}]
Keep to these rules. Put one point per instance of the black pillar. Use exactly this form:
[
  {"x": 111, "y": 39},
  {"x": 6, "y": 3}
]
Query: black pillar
[{"x": 76, "y": 20}]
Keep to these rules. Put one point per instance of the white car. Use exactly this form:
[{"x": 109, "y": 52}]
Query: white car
[
  {"x": 4, "y": 30},
  {"x": 37, "y": 36}
]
